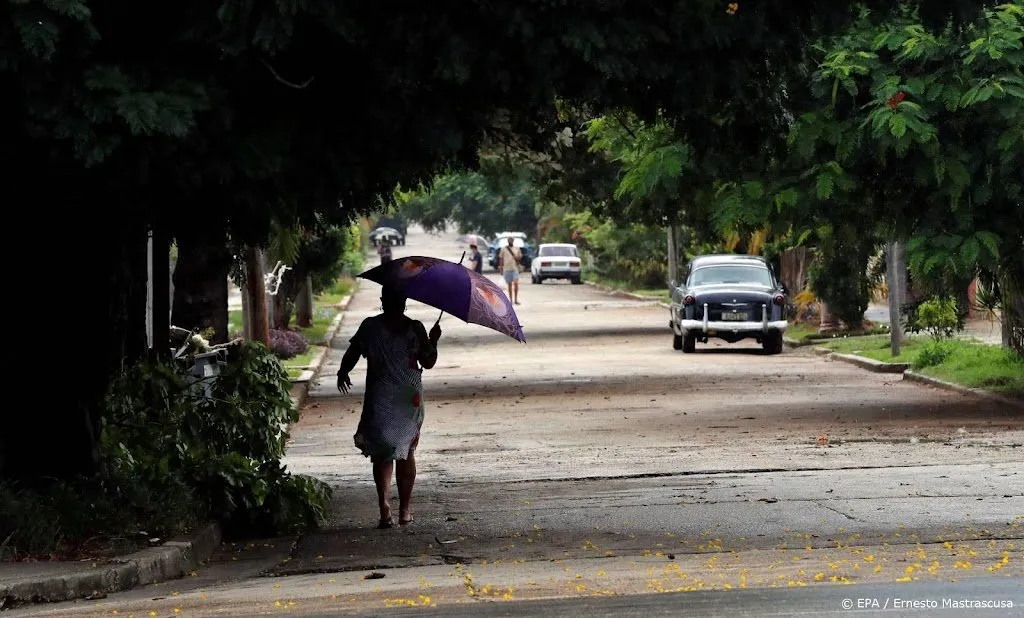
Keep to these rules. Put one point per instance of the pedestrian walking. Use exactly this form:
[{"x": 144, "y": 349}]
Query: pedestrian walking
[
  {"x": 384, "y": 250},
  {"x": 476, "y": 259},
  {"x": 509, "y": 259},
  {"x": 397, "y": 350}
]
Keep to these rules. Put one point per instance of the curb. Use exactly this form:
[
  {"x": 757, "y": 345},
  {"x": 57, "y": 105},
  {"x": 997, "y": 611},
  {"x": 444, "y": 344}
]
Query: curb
[
  {"x": 964, "y": 390},
  {"x": 864, "y": 363},
  {"x": 300, "y": 388},
  {"x": 172, "y": 560},
  {"x": 912, "y": 376}
]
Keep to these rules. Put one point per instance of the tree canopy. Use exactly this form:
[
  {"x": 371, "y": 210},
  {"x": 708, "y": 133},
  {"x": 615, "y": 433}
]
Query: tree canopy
[{"x": 213, "y": 119}]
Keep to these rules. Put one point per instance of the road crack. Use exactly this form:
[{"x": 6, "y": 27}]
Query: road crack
[{"x": 835, "y": 510}]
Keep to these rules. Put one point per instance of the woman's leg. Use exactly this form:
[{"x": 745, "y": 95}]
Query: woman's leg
[
  {"x": 382, "y": 471},
  {"x": 405, "y": 470}
]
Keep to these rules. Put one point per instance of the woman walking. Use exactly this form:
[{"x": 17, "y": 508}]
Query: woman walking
[{"x": 397, "y": 349}]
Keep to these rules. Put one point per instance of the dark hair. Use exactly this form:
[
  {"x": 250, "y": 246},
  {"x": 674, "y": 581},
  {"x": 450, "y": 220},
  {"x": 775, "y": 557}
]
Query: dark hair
[{"x": 472, "y": 246}]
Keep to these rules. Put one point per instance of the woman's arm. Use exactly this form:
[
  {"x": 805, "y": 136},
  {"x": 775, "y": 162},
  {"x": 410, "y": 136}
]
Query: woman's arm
[{"x": 349, "y": 360}]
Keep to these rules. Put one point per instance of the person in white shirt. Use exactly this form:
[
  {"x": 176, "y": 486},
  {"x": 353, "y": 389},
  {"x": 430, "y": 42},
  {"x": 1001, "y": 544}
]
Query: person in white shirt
[{"x": 509, "y": 264}]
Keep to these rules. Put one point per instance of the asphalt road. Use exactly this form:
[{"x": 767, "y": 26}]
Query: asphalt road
[
  {"x": 596, "y": 464},
  {"x": 980, "y": 597}
]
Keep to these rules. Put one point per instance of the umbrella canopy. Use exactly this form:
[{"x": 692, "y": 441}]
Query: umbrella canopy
[
  {"x": 452, "y": 288},
  {"x": 475, "y": 239}
]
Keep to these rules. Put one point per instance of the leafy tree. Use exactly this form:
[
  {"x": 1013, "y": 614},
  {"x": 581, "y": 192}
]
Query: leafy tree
[
  {"x": 475, "y": 203},
  {"x": 320, "y": 254},
  {"x": 222, "y": 117},
  {"x": 921, "y": 130}
]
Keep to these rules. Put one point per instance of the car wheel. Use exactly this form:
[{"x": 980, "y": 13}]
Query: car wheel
[
  {"x": 534, "y": 279},
  {"x": 689, "y": 344},
  {"x": 576, "y": 281},
  {"x": 772, "y": 343},
  {"x": 677, "y": 342}
]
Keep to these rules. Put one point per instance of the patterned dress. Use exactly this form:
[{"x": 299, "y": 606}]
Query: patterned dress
[{"x": 393, "y": 405}]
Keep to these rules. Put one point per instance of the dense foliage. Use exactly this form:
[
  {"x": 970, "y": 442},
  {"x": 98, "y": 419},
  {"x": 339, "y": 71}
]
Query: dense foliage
[
  {"x": 178, "y": 451},
  {"x": 475, "y": 202}
]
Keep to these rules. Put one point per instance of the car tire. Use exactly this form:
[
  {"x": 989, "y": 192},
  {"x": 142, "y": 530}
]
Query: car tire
[
  {"x": 677, "y": 342},
  {"x": 576, "y": 281},
  {"x": 535, "y": 279},
  {"x": 689, "y": 344},
  {"x": 772, "y": 343}
]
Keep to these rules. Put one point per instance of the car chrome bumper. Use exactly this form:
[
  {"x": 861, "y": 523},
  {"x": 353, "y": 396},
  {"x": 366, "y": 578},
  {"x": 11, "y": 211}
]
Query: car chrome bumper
[
  {"x": 702, "y": 326},
  {"x": 558, "y": 272}
]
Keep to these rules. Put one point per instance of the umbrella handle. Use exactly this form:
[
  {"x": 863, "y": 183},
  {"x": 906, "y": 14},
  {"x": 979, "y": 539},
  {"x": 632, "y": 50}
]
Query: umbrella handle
[{"x": 442, "y": 313}]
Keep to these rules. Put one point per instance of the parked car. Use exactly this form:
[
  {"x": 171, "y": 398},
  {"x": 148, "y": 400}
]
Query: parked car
[
  {"x": 556, "y": 261},
  {"x": 730, "y": 297},
  {"x": 396, "y": 237},
  {"x": 501, "y": 240},
  {"x": 395, "y": 223}
]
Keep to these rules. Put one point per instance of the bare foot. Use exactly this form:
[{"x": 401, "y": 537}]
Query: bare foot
[
  {"x": 386, "y": 521},
  {"x": 404, "y": 519}
]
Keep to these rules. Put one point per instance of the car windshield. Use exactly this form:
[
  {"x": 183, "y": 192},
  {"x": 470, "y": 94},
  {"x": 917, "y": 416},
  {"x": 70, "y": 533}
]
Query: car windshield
[
  {"x": 558, "y": 251},
  {"x": 748, "y": 275}
]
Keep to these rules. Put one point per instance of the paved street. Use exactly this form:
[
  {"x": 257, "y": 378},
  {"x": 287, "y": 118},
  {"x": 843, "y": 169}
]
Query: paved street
[{"x": 596, "y": 461}]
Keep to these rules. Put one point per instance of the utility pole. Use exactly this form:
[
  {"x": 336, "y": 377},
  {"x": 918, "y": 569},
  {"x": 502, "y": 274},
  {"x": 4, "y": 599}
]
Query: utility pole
[
  {"x": 673, "y": 256},
  {"x": 149, "y": 291},
  {"x": 158, "y": 293},
  {"x": 896, "y": 280},
  {"x": 160, "y": 280}
]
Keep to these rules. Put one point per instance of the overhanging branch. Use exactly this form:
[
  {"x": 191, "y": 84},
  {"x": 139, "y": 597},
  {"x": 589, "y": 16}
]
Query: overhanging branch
[{"x": 283, "y": 80}]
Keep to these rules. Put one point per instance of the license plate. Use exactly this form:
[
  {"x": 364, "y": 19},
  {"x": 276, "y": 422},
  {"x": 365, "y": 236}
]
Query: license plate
[
  {"x": 733, "y": 316},
  {"x": 560, "y": 264}
]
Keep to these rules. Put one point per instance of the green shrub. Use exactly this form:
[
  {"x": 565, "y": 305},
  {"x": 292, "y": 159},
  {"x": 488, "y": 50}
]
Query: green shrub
[
  {"x": 175, "y": 451},
  {"x": 226, "y": 448},
  {"x": 839, "y": 278},
  {"x": 933, "y": 353},
  {"x": 939, "y": 317}
]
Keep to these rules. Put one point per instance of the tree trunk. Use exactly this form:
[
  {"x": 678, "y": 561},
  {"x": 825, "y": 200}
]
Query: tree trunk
[
  {"x": 201, "y": 286},
  {"x": 256, "y": 319},
  {"x": 1012, "y": 314},
  {"x": 267, "y": 295},
  {"x": 304, "y": 305},
  {"x": 246, "y": 313},
  {"x": 292, "y": 284},
  {"x": 828, "y": 323},
  {"x": 793, "y": 269},
  {"x": 56, "y": 436}
]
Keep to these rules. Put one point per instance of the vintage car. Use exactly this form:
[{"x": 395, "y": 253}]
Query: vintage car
[
  {"x": 556, "y": 261},
  {"x": 730, "y": 297},
  {"x": 394, "y": 236}
]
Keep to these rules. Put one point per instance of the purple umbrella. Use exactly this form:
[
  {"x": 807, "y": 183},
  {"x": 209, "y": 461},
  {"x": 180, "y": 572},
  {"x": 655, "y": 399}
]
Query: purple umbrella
[{"x": 452, "y": 288}]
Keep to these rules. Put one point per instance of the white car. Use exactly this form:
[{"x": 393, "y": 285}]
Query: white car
[{"x": 556, "y": 261}]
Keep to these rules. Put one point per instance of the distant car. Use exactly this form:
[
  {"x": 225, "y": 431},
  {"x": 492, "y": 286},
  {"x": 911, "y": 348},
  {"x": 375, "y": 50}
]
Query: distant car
[
  {"x": 396, "y": 237},
  {"x": 393, "y": 222},
  {"x": 730, "y": 297},
  {"x": 501, "y": 240},
  {"x": 556, "y": 261}
]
